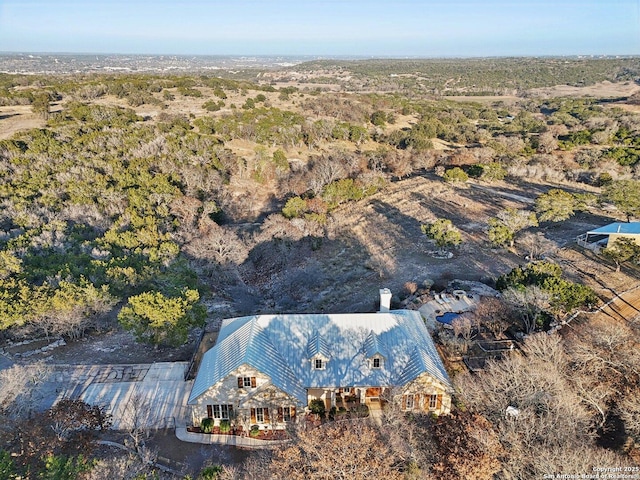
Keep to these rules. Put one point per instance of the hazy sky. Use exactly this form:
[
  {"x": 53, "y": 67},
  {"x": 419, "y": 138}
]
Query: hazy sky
[{"x": 328, "y": 27}]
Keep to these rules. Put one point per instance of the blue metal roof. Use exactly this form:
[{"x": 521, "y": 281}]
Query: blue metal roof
[
  {"x": 317, "y": 346},
  {"x": 372, "y": 346},
  {"x": 279, "y": 346},
  {"x": 632, "y": 228}
]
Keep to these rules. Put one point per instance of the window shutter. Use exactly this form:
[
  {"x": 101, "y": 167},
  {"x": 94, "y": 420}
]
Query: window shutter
[
  {"x": 416, "y": 402},
  {"x": 230, "y": 411},
  {"x": 266, "y": 415},
  {"x": 253, "y": 415},
  {"x": 209, "y": 411},
  {"x": 253, "y": 382},
  {"x": 293, "y": 413},
  {"x": 439, "y": 402},
  {"x": 280, "y": 414},
  {"x": 404, "y": 402},
  {"x": 240, "y": 384}
]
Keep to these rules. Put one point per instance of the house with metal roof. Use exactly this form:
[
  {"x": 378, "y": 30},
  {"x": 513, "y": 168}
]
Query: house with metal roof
[
  {"x": 266, "y": 368},
  {"x": 604, "y": 236}
]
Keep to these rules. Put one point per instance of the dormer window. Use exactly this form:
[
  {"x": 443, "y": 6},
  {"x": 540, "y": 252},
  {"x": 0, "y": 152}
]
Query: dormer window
[
  {"x": 318, "y": 352},
  {"x": 374, "y": 351}
]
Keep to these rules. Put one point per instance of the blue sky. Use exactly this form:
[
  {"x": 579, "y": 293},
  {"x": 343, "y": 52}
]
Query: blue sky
[{"x": 330, "y": 27}]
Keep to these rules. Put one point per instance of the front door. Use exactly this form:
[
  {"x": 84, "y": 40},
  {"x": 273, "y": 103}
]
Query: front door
[{"x": 373, "y": 392}]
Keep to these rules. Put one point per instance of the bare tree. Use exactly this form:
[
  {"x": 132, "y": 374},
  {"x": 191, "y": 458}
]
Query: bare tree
[
  {"x": 463, "y": 326},
  {"x": 551, "y": 416},
  {"x": 323, "y": 172},
  {"x": 535, "y": 244},
  {"x": 137, "y": 419},
  {"x": 18, "y": 387},
  {"x": 356, "y": 451},
  {"x": 493, "y": 314},
  {"x": 529, "y": 302}
]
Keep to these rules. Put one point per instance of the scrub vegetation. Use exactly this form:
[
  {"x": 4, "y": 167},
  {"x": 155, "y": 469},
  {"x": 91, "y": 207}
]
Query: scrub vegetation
[{"x": 158, "y": 204}]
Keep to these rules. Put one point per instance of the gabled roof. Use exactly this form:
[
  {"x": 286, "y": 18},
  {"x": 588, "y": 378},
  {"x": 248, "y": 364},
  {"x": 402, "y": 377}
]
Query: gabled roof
[
  {"x": 373, "y": 347},
  {"x": 245, "y": 343},
  {"x": 317, "y": 347},
  {"x": 629, "y": 228},
  {"x": 280, "y": 346}
]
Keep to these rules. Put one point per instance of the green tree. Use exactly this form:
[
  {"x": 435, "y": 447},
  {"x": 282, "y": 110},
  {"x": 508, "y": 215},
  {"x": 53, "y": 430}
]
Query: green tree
[
  {"x": 7, "y": 466},
  {"x": 294, "y": 208},
  {"x": 41, "y": 104},
  {"x": 379, "y": 118},
  {"x": 280, "y": 161},
  {"x": 503, "y": 229},
  {"x": 443, "y": 232},
  {"x": 499, "y": 234},
  {"x": 625, "y": 195},
  {"x": 212, "y": 472},
  {"x": 455, "y": 175},
  {"x": 622, "y": 250},
  {"x": 60, "y": 467},
  {"x": 554, "y": 206},
  {"x": 157, "y": 319},
  {"x": 492, "y": 171}
]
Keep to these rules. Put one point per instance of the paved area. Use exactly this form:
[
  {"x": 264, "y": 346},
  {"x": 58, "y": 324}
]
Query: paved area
[
  {"x": 152, "y": 396},
  {"x": 230, "y": 440},
  {"x": 443, "y": 303}
]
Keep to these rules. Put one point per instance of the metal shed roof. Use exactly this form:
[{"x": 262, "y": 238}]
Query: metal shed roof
[
  {"x": 629, "y": 228},
  {"x": 279, "y": 346}
]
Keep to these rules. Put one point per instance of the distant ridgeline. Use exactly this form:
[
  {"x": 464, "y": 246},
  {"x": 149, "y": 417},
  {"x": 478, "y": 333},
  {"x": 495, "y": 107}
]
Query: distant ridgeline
[{"x": 483, "y": 76}]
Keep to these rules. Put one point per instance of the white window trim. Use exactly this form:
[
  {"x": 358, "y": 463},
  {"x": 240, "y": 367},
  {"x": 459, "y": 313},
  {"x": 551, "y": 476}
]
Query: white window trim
[
  {"x": 314, "y": 363},
  {"x": 409, "y": 402}
]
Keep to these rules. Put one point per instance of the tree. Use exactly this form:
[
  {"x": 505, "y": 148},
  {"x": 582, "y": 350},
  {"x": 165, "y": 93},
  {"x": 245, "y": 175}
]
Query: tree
[
  {"x": 379, "y": 118},
  {"x": 467, "y": 447},
  {"x": 622, "y": 250},
  {"x": 41, "y": 104},
  {"x": 499, "y": 233},
  {"x": 509, "y": 222},
  {"x": 7, "y": 466},
  {"x": 492, "y": 171},
  {"x": 547, "y": 142},
  {"x": 157, "y": 319},
  {"x": 294, "y": 208},
  {"x": 625, "y": 195},
  {"x": 463, "y": 326},
  {"x": 443, "y": 232},
  {"x": 60, "y": 467},
  {"x": 356, "y": 451},
  {"x": 493, "y": 314},
  {"x": 69, "y": 416},
  {"x": 554, "y": 206},
  {"x": 455, "y": 175},
  {"x": 553, "y": 429},
  {"x": 530, "y": 302},
  {"x": 535, "y": 244}
]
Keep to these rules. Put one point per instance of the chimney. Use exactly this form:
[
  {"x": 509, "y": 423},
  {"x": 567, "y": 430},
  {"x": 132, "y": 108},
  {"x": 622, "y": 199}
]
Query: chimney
[{"x": 385, "y": 300}]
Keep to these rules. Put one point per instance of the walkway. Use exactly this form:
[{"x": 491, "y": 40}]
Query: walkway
[{"x": 230, "y": 440}]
